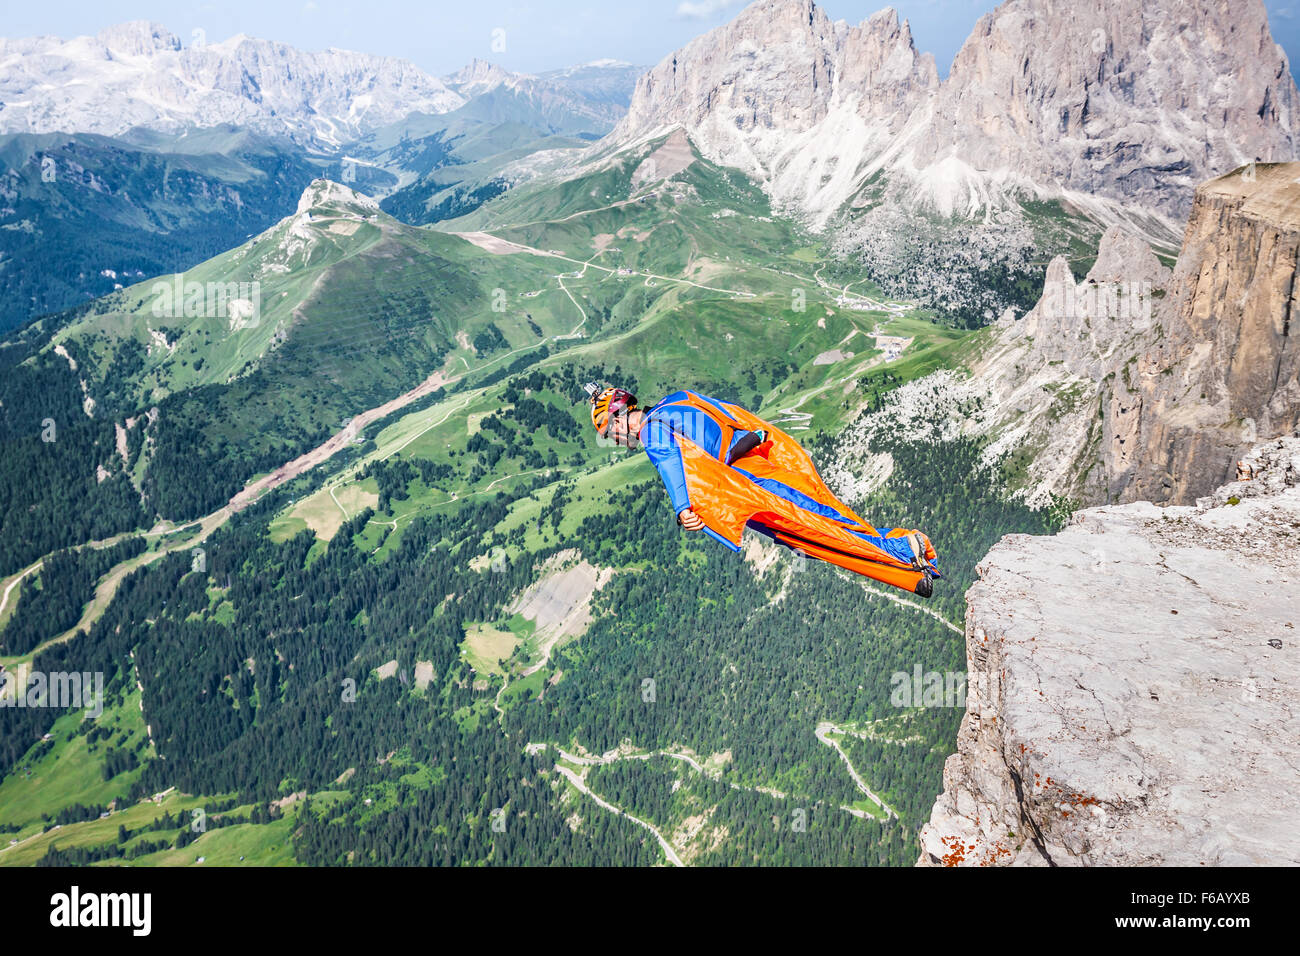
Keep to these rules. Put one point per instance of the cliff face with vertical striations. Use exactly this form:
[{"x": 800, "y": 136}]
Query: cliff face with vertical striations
[
  {"x": 1225, "y": 371},
  {"x": 1132, "y": 688},
  {"x": 1142, "y": 384},
  {"x": 1052, "y": 383},
  {"x": 1137, "y": 100}
]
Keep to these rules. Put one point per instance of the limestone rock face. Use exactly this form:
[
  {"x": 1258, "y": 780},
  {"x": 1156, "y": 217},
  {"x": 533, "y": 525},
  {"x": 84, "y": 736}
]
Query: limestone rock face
[
  {"x": 1139, "y": 384},
  {"x": 1053, "y": 382},
  {"x": 1226, "y": 371},
  {"x": 1136, "y": 99},
  {"x": 1132, "y": 688},
  {"x": 1130, "y": 103},
  {"x": 794, "y": 100},
  {"x": 780, "y": 67}
]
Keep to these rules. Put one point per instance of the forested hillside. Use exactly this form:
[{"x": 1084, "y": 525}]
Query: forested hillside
[{"x": 469, "y": 632}]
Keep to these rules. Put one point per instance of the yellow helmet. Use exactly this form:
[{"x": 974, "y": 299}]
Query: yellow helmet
[{"x": 606, "y": 402}]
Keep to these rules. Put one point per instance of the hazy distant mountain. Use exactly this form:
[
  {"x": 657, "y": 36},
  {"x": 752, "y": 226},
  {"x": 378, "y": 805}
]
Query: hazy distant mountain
[
  {"x": 587, "y": 99},
  {"x": 600, "y": 81},
  {"x": 431, "y": 168},
  {"x": 138, "y": 74}
]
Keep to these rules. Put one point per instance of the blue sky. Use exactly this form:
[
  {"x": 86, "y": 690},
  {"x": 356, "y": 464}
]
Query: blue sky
[{"x": 442, "y": 36}]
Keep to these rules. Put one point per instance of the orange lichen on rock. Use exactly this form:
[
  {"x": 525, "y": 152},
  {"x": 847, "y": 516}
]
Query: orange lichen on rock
[
  {"x": 994, "y": 853},
  {"x": 956, "y": 854}
]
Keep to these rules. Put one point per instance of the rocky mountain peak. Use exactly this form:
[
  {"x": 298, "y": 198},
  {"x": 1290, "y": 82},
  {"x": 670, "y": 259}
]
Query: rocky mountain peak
[
  {"x": 138, "y": 38},
  {"x": 1137, "y": 99},
  {"x": 1125, "y": 257},
  {"x": 1132, "y": 102},
  {"x": 325, "y": 195},
  {"x": 882, "y": 65},
  {"x": 770, "y": 68},
  {"x": 477, "y": 76},
  {"x": 1148, "y": 384},
  {"x": 796, "y": 101},
  {"x": 1083, "y": 326}
]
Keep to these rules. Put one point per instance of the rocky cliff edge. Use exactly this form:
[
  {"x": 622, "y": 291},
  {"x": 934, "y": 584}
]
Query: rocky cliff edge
[{"x": 1133, "y": 687}]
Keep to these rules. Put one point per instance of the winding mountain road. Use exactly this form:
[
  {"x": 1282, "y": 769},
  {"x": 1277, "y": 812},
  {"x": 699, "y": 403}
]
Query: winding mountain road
[
  {"x": 581, "y": 784},
  {"x": 824, "y": 729}
]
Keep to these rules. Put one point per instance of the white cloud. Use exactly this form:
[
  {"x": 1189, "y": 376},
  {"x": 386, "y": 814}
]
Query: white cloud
[{"x": 704, "y": 9}]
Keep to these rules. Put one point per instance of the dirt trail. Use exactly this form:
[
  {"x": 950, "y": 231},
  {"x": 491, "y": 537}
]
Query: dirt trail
[
  {"x": 920, "y": 607},
  {"x": 162, "y": 528},
  {"x": 578, "y": 779},
  {"x": 4, "y": 601},
  {"x": 480, "y": 238},
  {"x": 335, "y": 444},
  {"x": 107, "y": 586},
  {"x": 494, "y": 244},
  {"x": 581, "y": 784}
]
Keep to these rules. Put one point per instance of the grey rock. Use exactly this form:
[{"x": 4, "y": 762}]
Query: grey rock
[
  {"x": 1120, "y": 108},
  {"x": 1138, "y": 100},
  {"x": 1129, "y": 703},
  {"x": 796, "y": 101},
  {"x": 1155, "y": 396},
  {"x": 1225, "y": 371}
]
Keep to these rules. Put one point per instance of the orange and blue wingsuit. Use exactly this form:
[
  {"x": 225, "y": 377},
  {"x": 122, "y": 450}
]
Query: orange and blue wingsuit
[{"x": 735, "y": 470}]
